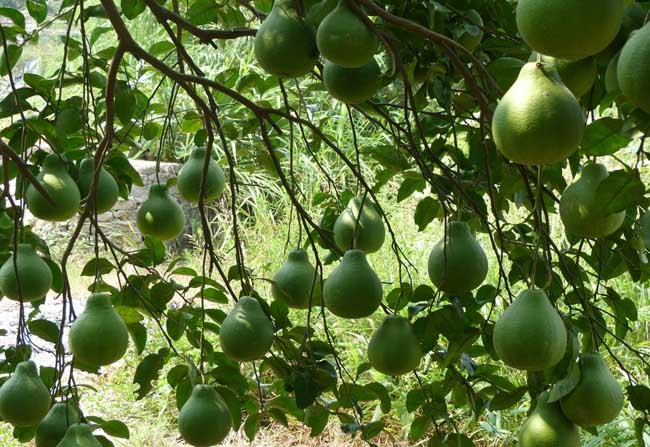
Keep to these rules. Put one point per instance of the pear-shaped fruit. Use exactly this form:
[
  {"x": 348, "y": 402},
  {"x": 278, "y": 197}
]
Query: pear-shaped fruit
[
  {"x": 34, "y": 276},
  {"x": 457, "y": 263},
  {"x": 79, "y": 435},
  {"x": 530, "y": 335},
  {"x": 365, "y": 232},
  {"x": 394, "y": 349},
  {"x": 204, "y": 419},
  {"x": 54, "y": 426},
  {"x": 285, "y": 46},
  {"x": 99, "y": 336},
  {"x": 634, "y": 69},
  {"x": 246, "y": 333},
  {"x": 547, "y": 426},
  {"x": 188, "y": 181},
  {"x": 579, "y": 75},
  {"x": 353, "y": 289},
  {"x": 611, "y": 75},
  {"x": 344, "y": 39},
  {"x": 598, "y": 398},
  {"x": 24, "y": 399},
  {"x": 352, "y": 85},
  {"x": 569, "y": 29},
  {"x": 297, "y": 283},
  {"x": 61, "y": 188},
  {"x": 580, "y": 207},
  {"x": 160, "y": 215},
  {"x": 536, "y": 102},
  {"x": 107, "y": 189},
  {"x": 471, "y": 38}
]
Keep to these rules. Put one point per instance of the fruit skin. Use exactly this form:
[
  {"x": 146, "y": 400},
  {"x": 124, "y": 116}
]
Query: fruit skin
[
  {"x": 579, "y": 76},
  {"x": 205, "y": 419},
  {"x": 394, "y": 349},
  {"x": 569, "y": 29},
  {"x": 53, "y": 427},
  {"x": 547, "y": 426},
  {"x": 34, "y": 275},
  {"x": 188, "y": 181},
  {"x": 634, "y": 69},
  {"x": 370, "y": 232},
  {"x": 530, "y": 335},
  {"x": 579, "y": 205},
  {"x": 644, "y": 229},
  {"x": 107, "y": 189},
  {"x": 246, "y": 333},
  {"x": 344, "y": 39},
  {"x": 536, "y": 102},
  {"x": 352, "y": 85},
  {"x": 285, "y": 46},
  {"x": 353, "y": 289},
  {"x": 598, "y": 398},
  {"x": 611, "y": 75},
  {"x": 457, "y": 263},
  {"x": 470, "y": 41},
  {"x": 61, "y": 188},
  {"x": 99, "y": 336},
  {"x": 24, "y": 399},
  {"x": 294, "y": 281},
  {"x": 79, "y": 435},
  {"x": 633, "y": 19},
  {"x": 160, "y": 215}
]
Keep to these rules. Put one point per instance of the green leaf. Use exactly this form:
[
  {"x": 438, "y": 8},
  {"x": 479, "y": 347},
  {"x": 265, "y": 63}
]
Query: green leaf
[
  {"x": 252, "y": 425},
  {"x": 425, "y": 211},
  {"x": 203, "y": 12},
  {"x": 37, "y": 9},
  {"x": 14, "y": 15},
  {"x": 132, "y": 8},
  {"x": 116, "y": 429},
  {"x": 639, "y": 396},
  {"x": 139, "y": 335},
  {"x": 99, "y": 266},
  {"x": 44, "y": 329},
  {"x": 419, "y": 427},
  {"x": 57, "y": 276},
  {"x": 620, "y": 190},
  {"x": 68, "y": 121},
  {"x": 316, "y": 418},
  {"x": 234, "y": 406},
  {"x": 12, "y": 56},
  {"x": 564, "y": 386},
  {"x": 147, "y": 371},
  {"x": 506, "y": 399},
  {"x": 603, "y": 137},
  {"x": 124, "y": 103}
]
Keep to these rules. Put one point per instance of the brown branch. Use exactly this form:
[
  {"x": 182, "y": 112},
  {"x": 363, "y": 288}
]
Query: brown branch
[{"x": 5, "y": 149}]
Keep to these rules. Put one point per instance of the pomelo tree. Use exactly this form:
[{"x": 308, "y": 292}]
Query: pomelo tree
[{"x": 520, "y": 128}]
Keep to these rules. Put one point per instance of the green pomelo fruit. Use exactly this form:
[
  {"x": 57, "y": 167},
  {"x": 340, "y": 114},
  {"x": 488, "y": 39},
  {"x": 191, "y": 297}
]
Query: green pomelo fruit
[
  {"x": 297, "y": 283},
  {"x": 352, "y": 85},
  {"x": 359, "y": 226},
  {"x": 204, "y": 419},
  {"x": 99, "y": 336},
  {"x": 547, "y": 426},
  {"x": 579, "y": 76},
  {"x": 353, "y": 289},
  {"x": 580, "y": 206},
  {"x": 457, "y": 263},
  {"x": 188, "y": 181},
  {"x": 79, "y": 435},
  {"x": 536, "y": 102},
  {"x": 394, "y": 349},
  {"x": 598, "y": 397},
  {"x": 344, "y": 39},
  {"x": 530, "y": 335},
  {"x": 472, "y": 36},
  {"x": 160, "y": 215},
  {"x": 246, "y": 333},
  {"x": 285, "y": 46},
  {"x": 24, "y": 399},
  {"x": 61, "y": 188},
  {"x": 107, "y": 191},
  {"x": 611, "y": 75},
  {"x": 54, "y": 426},
  {"x": 569, "y": 29},
  {"x": 634, "y": 69},
  {"x": 34, "y": 277}
]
